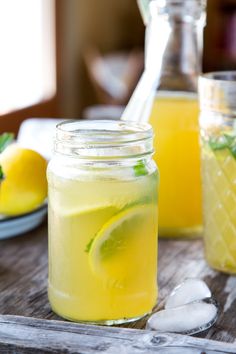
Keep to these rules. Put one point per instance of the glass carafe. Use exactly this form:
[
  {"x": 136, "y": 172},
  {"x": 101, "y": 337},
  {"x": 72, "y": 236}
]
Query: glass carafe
[{"x": 173, "y": 55}]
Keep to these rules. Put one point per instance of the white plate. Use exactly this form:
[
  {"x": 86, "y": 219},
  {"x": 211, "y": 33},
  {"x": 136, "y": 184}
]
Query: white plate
[{"x": 14, "y": 226}]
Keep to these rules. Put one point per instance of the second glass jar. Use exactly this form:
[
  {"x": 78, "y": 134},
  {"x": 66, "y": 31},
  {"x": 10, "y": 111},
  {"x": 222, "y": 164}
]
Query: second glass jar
[{"x": 218, "y": 135}]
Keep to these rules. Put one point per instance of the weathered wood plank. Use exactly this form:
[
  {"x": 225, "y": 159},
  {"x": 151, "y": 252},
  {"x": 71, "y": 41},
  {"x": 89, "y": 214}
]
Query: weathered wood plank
[
  {"x": 23, "y": 279},
  {"x": 30, "y": 335}
]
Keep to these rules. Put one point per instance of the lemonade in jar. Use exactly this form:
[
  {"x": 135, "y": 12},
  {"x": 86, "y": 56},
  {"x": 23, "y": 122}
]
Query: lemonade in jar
[
  {"x": 218, "y": 135},
  {"x": 102, "y": 222}
]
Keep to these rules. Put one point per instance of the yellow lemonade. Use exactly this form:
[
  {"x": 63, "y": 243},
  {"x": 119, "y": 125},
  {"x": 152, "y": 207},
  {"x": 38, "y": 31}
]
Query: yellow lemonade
[
  {"x": 219, "y": 197},
  {"x": 174, "y": 118},
  {"x": 102, "y": 247}
]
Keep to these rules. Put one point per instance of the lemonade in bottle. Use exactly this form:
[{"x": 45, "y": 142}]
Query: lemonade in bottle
[
  {"x": 174, "y": 118},
  {"x": 218, "y": 134},
  {"x": 102, "y": 222},
  {"x": 173, "y": 57}
]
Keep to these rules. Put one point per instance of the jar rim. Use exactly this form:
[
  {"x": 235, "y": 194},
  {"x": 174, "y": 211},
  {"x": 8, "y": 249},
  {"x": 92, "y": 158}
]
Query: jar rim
[
  {"x": 127, "y": 129},
  {"x": 217, "y": 92},
  {"x": 227, "y": 76},
  {"x": 177, "y": 2},
  {"x": 187, "y": 7},
  {"x": 102, "y": 139}
]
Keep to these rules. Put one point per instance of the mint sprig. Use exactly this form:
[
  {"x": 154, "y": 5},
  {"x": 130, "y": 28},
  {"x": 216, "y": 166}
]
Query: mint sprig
[
  {"x": 140, "y": 169},
  {"x": 1, "y": 174},
  {"x": 89, "y": 245},
  {"x": 5, "y": 140},
  {"x": 225, "y": 141}
]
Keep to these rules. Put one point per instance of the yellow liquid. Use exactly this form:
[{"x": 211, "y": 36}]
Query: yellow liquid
[
  {"x": 102, "y": 248},
  {"x": 219, "y": 197},
  {"x": 177, "y": 153}
]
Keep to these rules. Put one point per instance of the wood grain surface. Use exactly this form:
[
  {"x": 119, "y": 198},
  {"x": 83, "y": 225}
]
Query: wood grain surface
[
  {"x": 30, "y": 335},
  {"x": 23, "y": 280}
]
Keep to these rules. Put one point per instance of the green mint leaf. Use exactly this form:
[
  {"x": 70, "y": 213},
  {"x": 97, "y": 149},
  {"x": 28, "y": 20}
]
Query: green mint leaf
[
  {"x": 140, "y": 169},
  {"x": 230, "y": 139},
  {"x": 89, "y": 245},
  {"x": 5, "y": 140},
  {"x": 1, "y": 174},
  {"x": 218, "y": 143},
  {"x": 225, "y": 141},
  {"x": 233, "y": 150}
]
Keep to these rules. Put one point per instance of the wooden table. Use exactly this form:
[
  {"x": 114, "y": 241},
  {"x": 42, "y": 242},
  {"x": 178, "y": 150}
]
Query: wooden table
[{"x": 24, "y": 307}]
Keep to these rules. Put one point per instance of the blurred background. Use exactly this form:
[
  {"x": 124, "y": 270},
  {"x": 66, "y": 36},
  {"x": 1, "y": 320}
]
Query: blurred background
[{"x": 59, "y": 58}]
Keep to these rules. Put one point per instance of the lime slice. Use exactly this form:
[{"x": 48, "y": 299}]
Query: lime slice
[{"x": 122, "y": 242}]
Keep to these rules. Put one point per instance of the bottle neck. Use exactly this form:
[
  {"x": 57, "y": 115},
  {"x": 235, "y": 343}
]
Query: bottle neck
[
  {"x": 173, "y": 50},
  {"x": 181, "y": 59},
  {"x": 217, "y": 92}
]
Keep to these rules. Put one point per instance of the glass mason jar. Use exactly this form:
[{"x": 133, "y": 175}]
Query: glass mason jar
[
  {"x": 218, "y": 136},
  {"x": 173, "y": 55},
  {"x": 102, "y": 222}
]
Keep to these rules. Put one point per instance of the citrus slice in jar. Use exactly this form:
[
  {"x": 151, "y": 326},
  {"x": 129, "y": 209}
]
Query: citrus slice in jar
[{"x": 124, "y": 250}]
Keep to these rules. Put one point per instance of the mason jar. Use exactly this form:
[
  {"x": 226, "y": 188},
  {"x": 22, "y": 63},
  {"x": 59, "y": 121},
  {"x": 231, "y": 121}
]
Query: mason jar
[
  {"x": 218, "y": 136},
  {"x": 102, "y": 222}
]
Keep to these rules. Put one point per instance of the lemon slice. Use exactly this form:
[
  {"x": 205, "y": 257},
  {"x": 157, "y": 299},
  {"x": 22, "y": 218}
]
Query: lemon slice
[
  {"x": 81, "y": 225},
  {"x": 122, "y": 242}
]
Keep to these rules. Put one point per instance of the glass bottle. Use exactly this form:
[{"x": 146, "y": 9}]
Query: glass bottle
[
  {"x": 173, "y": 55},
  {"x": 102, "y": 222},
  {"x": 218, "y": 139}
]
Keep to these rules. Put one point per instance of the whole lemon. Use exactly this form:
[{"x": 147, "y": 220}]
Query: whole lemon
[{"x": 24, "y": 186}]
